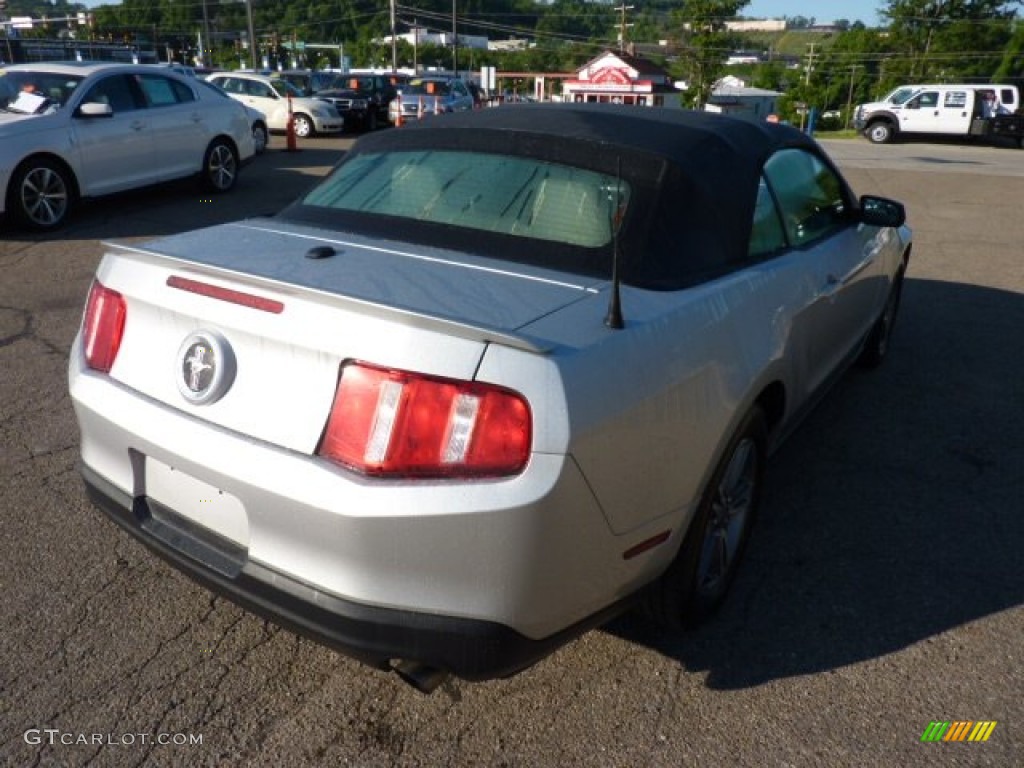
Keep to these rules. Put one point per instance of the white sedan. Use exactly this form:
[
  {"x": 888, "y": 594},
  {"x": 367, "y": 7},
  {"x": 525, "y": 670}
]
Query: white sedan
[
  {"x": 75, "y": 130},
  {"x": 275, "y": 97}
]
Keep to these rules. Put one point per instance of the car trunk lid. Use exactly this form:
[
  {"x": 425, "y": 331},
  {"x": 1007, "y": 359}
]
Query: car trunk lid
[{"x": 290, "y": 321}]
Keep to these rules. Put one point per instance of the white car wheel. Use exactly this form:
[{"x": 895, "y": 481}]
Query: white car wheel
[{"x": 303, "y": 126}]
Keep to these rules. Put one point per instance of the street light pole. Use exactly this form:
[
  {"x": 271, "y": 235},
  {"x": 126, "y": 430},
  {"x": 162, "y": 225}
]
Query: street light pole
[
  {"x": 455, "y": 43},
  {"x": 252, "y": 35},
  {"x": 394, "y": 40},
  {"x": 207, "y": 43}
]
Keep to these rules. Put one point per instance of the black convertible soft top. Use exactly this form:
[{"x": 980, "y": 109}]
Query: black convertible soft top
[{"x": 696, "y": 174}]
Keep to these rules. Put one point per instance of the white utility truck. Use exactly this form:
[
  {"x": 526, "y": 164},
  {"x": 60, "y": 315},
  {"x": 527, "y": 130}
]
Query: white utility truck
[{"x": 987, "y": 111}]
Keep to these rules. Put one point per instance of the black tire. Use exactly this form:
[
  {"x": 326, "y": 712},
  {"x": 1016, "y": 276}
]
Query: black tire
[
  {"x": 876, "y": 347},
  {"x": 880, "y": 132},
  {"x": 698, "y": 580},
  {"x": 220, "y": 166},
  {"x": 40, "y": 194},
  {"x": 303, "y": 126}
]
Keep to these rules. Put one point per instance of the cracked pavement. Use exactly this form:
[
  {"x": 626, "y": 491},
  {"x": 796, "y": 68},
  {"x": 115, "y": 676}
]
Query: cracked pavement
[{"x": 882, "y": 588}]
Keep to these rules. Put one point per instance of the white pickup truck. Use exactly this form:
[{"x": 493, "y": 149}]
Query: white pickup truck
[{"x": 988, "y": 111}]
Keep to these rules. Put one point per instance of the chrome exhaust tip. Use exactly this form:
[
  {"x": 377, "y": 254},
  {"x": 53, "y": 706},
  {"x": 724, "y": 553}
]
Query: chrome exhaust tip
[{"x": 423, "y": 678}]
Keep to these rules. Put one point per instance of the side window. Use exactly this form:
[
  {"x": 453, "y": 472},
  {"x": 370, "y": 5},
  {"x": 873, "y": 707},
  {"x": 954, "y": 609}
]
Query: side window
[
  {"x": 117, "y": 91},
  {"x": 262, "y": 90},
  {"x": 955, "y": 100},
  {"x": 766, "y": 233},
  {"x": 231, "y": 85},
  {"x": 809, "y": 194},
  {"x": 929, "y": 99},
  {"x": 162, "y": 91}
]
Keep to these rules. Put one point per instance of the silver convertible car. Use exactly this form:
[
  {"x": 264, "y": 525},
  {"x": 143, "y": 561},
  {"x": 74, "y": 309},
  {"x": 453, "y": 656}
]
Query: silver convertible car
[{"x": 497, "y": 377}]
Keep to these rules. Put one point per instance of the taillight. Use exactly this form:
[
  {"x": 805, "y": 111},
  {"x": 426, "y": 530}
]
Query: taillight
[
  {"x": 103, "y": 327},
  {"x": 397, "y": 423}
]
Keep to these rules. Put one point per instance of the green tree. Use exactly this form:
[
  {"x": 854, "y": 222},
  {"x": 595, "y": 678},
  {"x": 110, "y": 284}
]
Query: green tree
[
  {"x": 949, "y": 39},
  {"x": 1012, "y": 64},
  {"x": 705, "y": 43}
]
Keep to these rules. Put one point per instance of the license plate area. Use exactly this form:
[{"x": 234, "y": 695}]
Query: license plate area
[{"x": 198, "y": 502}]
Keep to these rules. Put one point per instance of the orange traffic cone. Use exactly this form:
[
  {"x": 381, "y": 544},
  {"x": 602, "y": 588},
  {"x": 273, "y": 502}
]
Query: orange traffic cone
[
  {"x": 398, "y": 117},
  {"x": 292, "y": 145}
]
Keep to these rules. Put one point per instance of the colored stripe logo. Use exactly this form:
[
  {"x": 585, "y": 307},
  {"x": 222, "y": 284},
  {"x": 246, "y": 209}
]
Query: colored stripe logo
[{"x": 958, "y": 730}]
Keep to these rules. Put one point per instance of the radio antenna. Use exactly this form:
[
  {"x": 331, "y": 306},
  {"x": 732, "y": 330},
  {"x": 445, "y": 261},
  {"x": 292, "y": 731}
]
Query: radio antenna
[{"x": 614, "y": 317}]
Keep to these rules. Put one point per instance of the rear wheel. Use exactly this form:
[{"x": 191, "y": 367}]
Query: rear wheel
[
  {"x": 220, "y": 166},
  {"x": 876, "y": 348},
  {"x": 40, "y": 194},
  {"x": 696, "y": 583},
  {"x": 880, "y": 132}
]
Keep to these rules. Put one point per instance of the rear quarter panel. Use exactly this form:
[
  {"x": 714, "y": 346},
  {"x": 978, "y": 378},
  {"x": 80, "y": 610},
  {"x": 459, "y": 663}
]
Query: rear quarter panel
[{"x": 648, "y": 409}]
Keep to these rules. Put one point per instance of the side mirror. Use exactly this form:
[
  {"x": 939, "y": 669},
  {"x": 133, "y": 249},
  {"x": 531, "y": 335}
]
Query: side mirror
[
  {"x": 94, "y": 109},
  {"x": 882, "y": 212}
]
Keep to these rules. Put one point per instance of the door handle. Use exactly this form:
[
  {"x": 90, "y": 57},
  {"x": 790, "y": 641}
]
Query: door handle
[{"x": 138, "y": 125}]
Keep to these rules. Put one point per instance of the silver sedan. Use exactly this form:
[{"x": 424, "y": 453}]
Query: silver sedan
[{"x": 495, "y": 379}]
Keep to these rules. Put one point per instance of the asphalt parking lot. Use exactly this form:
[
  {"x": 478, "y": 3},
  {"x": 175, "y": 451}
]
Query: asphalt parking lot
[{"x": 882, "y": 589}]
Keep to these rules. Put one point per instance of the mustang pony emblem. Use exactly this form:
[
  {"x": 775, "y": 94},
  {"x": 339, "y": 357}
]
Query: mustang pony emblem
[{"x": 206, "y": 367}]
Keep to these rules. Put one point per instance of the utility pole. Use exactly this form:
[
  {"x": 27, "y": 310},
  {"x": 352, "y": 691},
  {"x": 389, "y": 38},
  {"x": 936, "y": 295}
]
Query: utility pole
[
  {"x": 622, "y": 25},
  {"x": 810, "y": 64},
  {"x": 849, "y": 97}
]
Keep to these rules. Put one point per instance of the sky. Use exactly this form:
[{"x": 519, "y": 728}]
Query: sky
[{"x": 822, "y": 11}]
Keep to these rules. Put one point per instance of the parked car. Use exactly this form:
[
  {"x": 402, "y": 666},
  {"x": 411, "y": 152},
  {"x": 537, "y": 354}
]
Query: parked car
[
  {"x": 260, "y": 130},
  {"x": 362, "y": 100},
  {"x": 309, "y": 82},
  {"x": 75, "y": 130},
  {"x": 423, "y": 96},
  {"x": 270, "y": 95},
  {"x": 258, "y": 120},
  {"x": 494, "y": 379}
]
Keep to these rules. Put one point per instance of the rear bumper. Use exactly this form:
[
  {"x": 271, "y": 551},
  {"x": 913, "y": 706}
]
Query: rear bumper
[{"x": 468, "y": 648}]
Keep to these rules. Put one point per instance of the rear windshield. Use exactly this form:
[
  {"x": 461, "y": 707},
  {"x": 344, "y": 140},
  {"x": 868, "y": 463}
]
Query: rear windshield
[
  {"x": 427, "y": 87},
  {"x": 487, "y": 193}
]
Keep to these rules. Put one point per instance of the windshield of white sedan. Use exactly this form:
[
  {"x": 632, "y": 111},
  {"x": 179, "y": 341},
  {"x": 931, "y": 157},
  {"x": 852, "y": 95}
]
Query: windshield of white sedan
[
  {"x": 52, "y": 87},
  {"x": 491, "y": 193}
]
